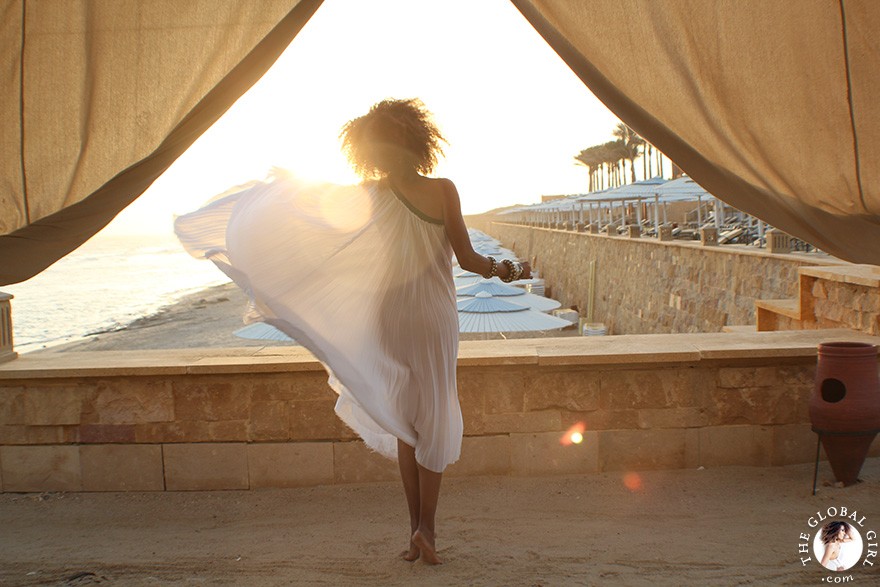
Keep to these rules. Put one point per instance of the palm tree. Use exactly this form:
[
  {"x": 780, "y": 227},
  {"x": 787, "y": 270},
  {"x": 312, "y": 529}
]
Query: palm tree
[
  {"x": 609, "y": 156},
  {"x": 631, "y": 145},
  {"x": 653, "y": 162},
  {"x": 591, "y": 159},
  {"x": 584, "y": 158},
  {"x": 606, "y": 163},
  {"x": 618, "y": 156}
]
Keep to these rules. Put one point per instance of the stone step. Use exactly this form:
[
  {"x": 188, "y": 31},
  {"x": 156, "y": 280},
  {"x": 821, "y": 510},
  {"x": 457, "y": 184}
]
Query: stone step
[{"x": 786, "y": 307}]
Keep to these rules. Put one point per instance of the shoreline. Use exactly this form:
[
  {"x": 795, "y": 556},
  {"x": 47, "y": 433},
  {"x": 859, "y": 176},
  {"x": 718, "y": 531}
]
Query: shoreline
[
  {"x": 203, "y": 318},
  {"x": 207, "y": 318}
]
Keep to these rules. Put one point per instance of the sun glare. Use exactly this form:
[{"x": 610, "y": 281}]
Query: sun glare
[
  {"x": 632, "y": 481},
  {"x": 345, "y": 208},
  {"x": 512, "y": 111},
  {"x": 574, "y": 435}
]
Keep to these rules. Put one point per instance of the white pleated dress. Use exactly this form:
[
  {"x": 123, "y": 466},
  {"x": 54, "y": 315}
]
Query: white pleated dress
[{"x": 363, "y": 280}]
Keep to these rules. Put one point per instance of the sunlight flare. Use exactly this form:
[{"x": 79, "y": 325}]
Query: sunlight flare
[
  {"x": 574, "y": 435},
  {"x": 633, "y": 481},
  {"x": 345, "y": 208}
]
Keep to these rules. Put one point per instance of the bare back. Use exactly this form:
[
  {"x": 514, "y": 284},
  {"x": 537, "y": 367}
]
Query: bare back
[
  {"x": 438, "y": 200},
  {"x": 426, "y": 194}
]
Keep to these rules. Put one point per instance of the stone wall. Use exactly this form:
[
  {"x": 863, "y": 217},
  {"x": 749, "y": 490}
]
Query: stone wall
[
  {"x": 152, "y": 421},
  {"x": 643, "y": 285},
  {"x": 843, "y": 296},
  {"x": 839, "y": 304}
]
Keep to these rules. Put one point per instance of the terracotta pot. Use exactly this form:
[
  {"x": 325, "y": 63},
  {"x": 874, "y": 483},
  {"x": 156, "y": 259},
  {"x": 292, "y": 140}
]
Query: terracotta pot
[{"x": 845, "y": 406}]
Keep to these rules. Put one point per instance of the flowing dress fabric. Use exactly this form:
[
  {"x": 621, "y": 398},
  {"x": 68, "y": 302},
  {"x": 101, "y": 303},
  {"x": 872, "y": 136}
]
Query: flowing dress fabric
[{"x": 364, "y": 281}]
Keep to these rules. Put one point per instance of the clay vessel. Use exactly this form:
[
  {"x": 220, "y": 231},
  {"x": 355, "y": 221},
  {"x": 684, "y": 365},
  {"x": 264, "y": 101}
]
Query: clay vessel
[{"x": 845, "y": 405}]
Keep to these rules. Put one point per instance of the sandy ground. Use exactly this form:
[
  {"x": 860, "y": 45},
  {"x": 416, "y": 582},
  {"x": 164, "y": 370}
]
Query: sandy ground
[
  {"x": 206, "y": 318},
  {"x": 725, "y": 526}
]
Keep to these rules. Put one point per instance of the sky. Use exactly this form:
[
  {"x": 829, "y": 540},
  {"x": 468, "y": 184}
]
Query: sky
[{"x": 513, "y": 113}]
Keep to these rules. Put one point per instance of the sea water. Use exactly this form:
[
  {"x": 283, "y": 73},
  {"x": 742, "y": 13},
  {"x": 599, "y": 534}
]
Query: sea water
[{"x": 104, "y": 285}]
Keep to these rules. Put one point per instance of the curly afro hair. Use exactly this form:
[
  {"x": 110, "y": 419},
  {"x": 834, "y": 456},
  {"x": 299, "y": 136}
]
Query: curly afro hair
[
  {"x": 404, "y": 125},
  {"x": 831, "y": 529}
]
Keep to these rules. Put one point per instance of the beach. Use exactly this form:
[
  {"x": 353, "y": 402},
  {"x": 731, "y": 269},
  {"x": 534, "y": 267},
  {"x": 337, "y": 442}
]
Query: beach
[
  {"x": 206, "y": 318},
  {"x": 724, "y": 526}
]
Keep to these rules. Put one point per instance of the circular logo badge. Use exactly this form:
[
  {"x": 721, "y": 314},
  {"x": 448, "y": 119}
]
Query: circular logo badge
[{"x": 837, "y": 545}]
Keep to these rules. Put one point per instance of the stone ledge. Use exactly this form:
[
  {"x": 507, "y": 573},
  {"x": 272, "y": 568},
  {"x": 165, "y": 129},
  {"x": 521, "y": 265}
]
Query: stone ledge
[
  {"x": 739, "y": 328},
  {"x": 828, "y": 297},
  {"x": 626, "y": 349},
  {"x": 867, "y": 275},
  {"x": 731, "y": 249},
  {"x": 787, "y": 307}
]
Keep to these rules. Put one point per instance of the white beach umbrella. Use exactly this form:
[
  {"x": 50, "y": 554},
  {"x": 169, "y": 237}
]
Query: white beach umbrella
[
  {"x": 530, "y": 301},
  {"x": 493, "y": 286},
  {"x": 261, "y": 331},
  {"x": 498, "y": 253},
  {"x": 498, "y": 289},
  {"x": 457, "y": 272},
  {"x": 485, "y": 313},
  {"x": 480, "y": 236},
  {"x": 486, "y": 251},
  {"x": 485, "y": 302},
  {"x": 466, "y": 280}
]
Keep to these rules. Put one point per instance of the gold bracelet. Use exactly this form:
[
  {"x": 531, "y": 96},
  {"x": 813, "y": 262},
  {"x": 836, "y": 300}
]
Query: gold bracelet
[
  {"x": 509, "y": 264},
  {"x": 493, "y": 269},
  {"x": 514, "y": 271}
]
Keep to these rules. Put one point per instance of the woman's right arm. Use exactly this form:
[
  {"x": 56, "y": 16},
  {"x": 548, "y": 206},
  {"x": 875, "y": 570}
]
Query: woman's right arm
[{"x": 456, "y": 231}]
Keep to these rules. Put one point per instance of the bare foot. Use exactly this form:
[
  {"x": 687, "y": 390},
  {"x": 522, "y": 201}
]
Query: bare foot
[
  {"x": 411, "y": 554},
  {"x": 424, "y": 541}
]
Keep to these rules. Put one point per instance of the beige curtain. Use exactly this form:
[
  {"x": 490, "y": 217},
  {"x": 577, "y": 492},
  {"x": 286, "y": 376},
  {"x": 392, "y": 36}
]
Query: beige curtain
[
  {"x": 771, "y": 105},
  {"x": 100, "y": 97}
]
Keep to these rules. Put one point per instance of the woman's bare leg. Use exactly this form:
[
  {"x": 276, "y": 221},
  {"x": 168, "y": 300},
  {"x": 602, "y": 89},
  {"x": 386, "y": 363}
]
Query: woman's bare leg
[
  {"x": 429, "y": 493},
  {"x": 409, "y": 472}
]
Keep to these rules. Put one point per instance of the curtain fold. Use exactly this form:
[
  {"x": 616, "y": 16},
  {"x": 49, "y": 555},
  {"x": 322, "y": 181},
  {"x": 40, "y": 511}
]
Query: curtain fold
[
  {"x": 770, "y": 105},
  {"x": 100, "y": 98}
]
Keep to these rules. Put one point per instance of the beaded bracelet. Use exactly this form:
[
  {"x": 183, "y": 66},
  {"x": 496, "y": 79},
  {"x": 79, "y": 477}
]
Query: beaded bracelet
[
  {"x": 514, "y": 271},
  {"x": 493, "y": 269},
  {"x": 510, "y": 270}
]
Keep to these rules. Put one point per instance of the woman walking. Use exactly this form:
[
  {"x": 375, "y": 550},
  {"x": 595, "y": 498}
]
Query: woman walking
[{"x": 362, "y": 277}]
